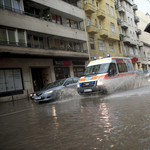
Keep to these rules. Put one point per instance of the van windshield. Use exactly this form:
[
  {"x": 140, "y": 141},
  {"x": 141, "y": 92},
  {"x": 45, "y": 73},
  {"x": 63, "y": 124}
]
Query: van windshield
[{"x": 101, "y": 68}]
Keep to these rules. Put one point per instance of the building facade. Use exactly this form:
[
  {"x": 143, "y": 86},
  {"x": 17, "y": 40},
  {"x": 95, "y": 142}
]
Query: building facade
[
  {"x": 102, "y": 27},
  {"x": 40, "y": 42},
  {"x": 128, "y": 20},
  {"x": 144, "y": 20}
]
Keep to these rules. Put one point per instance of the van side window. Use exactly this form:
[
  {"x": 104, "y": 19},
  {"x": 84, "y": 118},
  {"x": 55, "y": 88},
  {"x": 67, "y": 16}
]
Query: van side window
[
  {"x": 112, "y": 69},
  {"x": 122, "y": 67}
]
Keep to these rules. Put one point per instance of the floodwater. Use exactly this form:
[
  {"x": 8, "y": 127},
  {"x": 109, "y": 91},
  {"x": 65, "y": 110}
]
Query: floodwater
[{"x": 118, "y": 121}]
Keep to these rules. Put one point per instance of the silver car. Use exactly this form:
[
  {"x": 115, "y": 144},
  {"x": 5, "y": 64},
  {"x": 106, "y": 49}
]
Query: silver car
[
  {"x": 147, "y": 74},
  {"x": 50, "y": 92}
]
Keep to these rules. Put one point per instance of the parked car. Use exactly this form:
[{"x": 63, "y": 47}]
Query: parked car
[
  {"x": 50, "y": 91},
  {"x": 147, "y": 74}
]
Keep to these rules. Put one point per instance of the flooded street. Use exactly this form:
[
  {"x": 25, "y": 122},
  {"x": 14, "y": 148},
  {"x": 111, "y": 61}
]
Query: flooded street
[{"x": 116, "y": 121}]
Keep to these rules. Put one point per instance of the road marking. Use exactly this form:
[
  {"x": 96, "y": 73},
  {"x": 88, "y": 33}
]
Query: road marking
[{"x": 15, "y": 112}]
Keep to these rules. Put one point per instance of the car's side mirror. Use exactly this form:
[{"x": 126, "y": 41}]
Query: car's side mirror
[{"x": 66, "y": 84}]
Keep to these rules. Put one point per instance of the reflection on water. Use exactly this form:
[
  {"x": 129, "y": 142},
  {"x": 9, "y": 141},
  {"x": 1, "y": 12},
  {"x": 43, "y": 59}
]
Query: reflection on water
[{"x": 114, "y": 122}]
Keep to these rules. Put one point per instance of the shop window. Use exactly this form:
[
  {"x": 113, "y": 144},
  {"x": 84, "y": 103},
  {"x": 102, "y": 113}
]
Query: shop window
[
  {"x": 62, "y": 72},
  {"x": 11, "y": 80},
  {"x": 122, "y": 67},
  {"x": 78, "y": 71},
  {"x": 92, "y": 43}
]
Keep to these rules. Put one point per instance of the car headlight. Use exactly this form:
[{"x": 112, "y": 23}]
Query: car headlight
[
  {"x": 78, "y": 84},
  {"x": 48, "y": 92},
  {"x": 100, "y": 82}
]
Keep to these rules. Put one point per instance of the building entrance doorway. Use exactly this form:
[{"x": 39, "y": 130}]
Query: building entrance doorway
[{"x": 40, "y": 77}]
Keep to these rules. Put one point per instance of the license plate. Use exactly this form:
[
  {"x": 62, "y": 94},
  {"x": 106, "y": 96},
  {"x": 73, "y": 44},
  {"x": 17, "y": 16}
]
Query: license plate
[
  {"x": 38, "y": 98},
  {"x": 88, "y": 90}
]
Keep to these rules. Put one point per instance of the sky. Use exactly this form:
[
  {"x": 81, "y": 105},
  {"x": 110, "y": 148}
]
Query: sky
[{"x": 143, "y": 5}]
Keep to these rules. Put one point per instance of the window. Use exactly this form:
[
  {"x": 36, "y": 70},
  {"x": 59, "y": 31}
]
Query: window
[
  {"x": 11, "y": 36},
  {"x": 112, "y": 27},
  {"x": 7, "y": 4},
  {"x": 97, "y": 5},
  {"x": 11, "y": 80},
  {"x": 112, "y": 67},
  {"x": 112, "y": 11},
  {"x": 54, "y": 18},
  {"x": 119, "y": 48},
  {"x": 125, "y": 50},
  {"x": 16, "y": 5},
  {"x": 131, "y": 22},
  {"x": 100, "y": 26},
  {"x": 93, "y": 2},
  {"x": 101, "y": 45},
  {"x": 36, "y": 41},
  {"x": 78, "y": 71},
  {"x": 88, "y": 21},
  {"x": 21, "y": 37},
  {"x": 3, "y": 37},
  {"x": 107, "y": 7},
  {"x": 92, "y": 43},
  {"x": 136, "y": 51},
  {"x": 131, "y": 51},
  {"x": 128, "y": 20},
  {"x": 148, "y": 56},
  {"x": 122, "y": 67},
  {"x": 62, "y": 46},
  {"x": 75, "y": 80},
  {"x": 86, "y": 1},
  {"x": 111, "y": 47},
  {"x": 95, "y": 23},
  {"x": 41, "y": 42},
  {"x": 58, "y": 20},
  {"x": 69, "y": 81}
]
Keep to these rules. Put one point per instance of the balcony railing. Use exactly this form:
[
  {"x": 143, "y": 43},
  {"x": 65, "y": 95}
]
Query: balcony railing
[
  {"x": 28, "y": 45},
  {"x": 128, "y": 1},
  {"x": 135, "y": 7},
  {"x": 119, "y": 21},
  {"x": 116, "y": 5},
  {"x": 136, "y": 19},
  {"x": 100, "y": 13},
  {"x": 89, "y": 8},
  {"x": 36, "y": 16},
  {"x": 78, "y": 4}
]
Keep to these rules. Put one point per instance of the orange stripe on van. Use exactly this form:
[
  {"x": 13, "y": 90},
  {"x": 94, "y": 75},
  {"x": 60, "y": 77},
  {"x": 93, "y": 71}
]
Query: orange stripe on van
[
  {"x": 113, "y": 59},
  {"x": 83, "y": 79},
  {"x": 127, "y": 59}
]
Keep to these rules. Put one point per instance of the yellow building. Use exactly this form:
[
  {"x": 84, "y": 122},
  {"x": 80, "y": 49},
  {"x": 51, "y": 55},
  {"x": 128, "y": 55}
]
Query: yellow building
[{"x": 103, "y": 29}]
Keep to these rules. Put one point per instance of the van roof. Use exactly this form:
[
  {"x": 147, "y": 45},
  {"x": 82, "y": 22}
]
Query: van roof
[{"x": 104, "y": 60}]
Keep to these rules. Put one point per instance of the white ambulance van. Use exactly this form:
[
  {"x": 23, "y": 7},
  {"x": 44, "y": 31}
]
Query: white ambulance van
[{"x": 106, "y": 75}]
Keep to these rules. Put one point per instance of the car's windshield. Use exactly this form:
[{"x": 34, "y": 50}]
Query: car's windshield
[
  {"x": 46, "y": 86},
  {"x": 101, "y": 68},
  {"x": 55, "y": 84}
]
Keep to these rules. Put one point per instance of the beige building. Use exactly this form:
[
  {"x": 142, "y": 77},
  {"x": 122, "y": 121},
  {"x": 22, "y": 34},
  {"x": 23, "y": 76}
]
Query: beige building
[
  {"x": 145, "y": 38},
  {"x": 40, "y": 42},
  {"x": 128, "y": 20}
]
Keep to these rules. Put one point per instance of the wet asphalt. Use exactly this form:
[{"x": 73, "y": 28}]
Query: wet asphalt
[{"x": 118, "y": 121}]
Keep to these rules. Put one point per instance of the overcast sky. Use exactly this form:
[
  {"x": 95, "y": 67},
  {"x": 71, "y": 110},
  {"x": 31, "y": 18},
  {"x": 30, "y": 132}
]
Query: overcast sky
[{"x": 143, "y": 5}]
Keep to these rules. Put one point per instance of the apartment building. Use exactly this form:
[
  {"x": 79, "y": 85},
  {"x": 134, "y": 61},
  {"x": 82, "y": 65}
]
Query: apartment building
[
  {"x": 144, "y": 20},
  {"x": 40, "y": 42},
  {"x": 128, "y": 20},
  {"x": 103, "y": 30}
]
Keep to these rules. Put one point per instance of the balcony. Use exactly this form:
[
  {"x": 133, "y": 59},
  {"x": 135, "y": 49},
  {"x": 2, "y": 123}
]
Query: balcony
[
  {"x": 138, "y": 31},
  {"x": 121, "y": 37},
  {"x": 140, "y": 44},
  {"x": 136, "y": 19},
  {"x": 128, "y": 1},
  {"x": 103, "y": 33},
  {"x": 119, "y": 21},
  {"x": 133, "y": 42},
  {"x": 126, "y": 39},
  {"x": 121, "y": 10},
  {"x": 124, "y": 25},
  {"x": 116, "y": 5},
  {"x": 135, "y": 7},
  {"x": 33, "y": 22},
  {"x": 101, "y": 14},
  {"x": 92, "y": 29},
  {"x": 89, "y": 8},
  {"x": 27, "y": 50}
]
